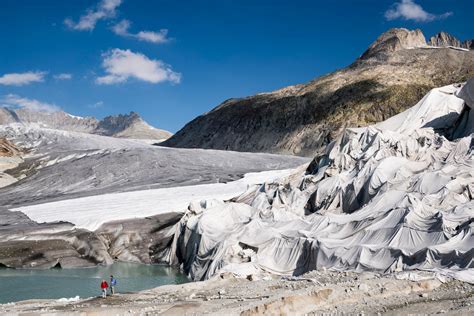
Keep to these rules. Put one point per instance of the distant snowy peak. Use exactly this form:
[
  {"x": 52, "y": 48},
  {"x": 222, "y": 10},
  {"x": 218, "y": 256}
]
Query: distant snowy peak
[{"x": 125, "y": 126}]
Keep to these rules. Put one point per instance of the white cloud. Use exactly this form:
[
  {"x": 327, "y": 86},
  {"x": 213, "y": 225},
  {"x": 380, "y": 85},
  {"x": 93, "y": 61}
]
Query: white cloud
[
  {"x": 96, "y": 105},
  {"x": 120, "y": 65},
  {"x": 153, "y": 37},
  {"x": 13, "y": 100},
  {"x": 122, "y": 29},
  {"x": 105, "y": 9},
  {"x": 63, "y": 76},
  {"x": 21, "y": 79},
  {"x": 409, "y": 10}
]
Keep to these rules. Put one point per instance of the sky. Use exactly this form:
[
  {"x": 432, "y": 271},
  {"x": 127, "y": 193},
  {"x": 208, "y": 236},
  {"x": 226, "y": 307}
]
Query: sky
[{"x": 171, "y": 61}]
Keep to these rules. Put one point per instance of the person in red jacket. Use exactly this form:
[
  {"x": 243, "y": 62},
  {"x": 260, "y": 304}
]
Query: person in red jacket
[{"x": 104, "y": 287}]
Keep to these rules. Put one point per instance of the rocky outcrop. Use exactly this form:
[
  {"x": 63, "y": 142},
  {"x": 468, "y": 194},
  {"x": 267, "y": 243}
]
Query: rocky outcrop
[
  {"x": 443, "y": 39},
  {"x": 8, "y": 149},
  {"x": 394, "y": 40},
  {"x": 393, "y": 74},
  {"x": 129, "y": 126},
  {"x": 125, "y": 126},
  {"x": 10, "y": 157},
  {"x": 27, "y": 244},
  {"x": 469, "y": 44}
]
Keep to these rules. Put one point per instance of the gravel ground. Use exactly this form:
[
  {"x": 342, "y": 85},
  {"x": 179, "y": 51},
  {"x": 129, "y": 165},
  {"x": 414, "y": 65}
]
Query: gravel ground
[{"x": 314, "y": 293}]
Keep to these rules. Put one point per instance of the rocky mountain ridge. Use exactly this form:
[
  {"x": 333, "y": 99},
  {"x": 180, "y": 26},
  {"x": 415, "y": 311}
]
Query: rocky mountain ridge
[
  {"x": 443, "y": 39},
  {"x": 391, "y": 75},
  {"x": 123, "y": 125}
]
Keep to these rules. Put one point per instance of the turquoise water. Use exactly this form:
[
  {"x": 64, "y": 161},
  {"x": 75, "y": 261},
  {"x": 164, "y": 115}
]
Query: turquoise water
[{"x": 17, "y": 285}]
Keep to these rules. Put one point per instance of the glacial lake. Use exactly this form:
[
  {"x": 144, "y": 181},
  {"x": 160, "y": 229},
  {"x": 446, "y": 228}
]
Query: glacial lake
[{"x": 23, "y": 284}]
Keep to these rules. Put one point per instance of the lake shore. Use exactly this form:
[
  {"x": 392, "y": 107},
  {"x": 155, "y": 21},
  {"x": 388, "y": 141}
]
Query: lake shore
[{"x": 316, "y": 292}]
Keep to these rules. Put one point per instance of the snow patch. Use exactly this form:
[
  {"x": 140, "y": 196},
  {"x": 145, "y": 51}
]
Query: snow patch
[
  {"x": 68, "y": 300},
  {"x": 93, "y": 211}
]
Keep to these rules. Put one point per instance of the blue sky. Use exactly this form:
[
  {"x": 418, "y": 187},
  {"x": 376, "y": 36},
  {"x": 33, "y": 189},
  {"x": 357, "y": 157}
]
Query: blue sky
[{"x": 171, "y": 61}]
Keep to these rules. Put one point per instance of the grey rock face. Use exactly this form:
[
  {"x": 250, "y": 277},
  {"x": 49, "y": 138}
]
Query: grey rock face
[
  {"x": 125, "y": 126},
  {"x": 395, "y": 40},
  {"x": 444, "y": 39},
  {"x": 129, "y": 126},
  {"x": 27, "y": 244},
  {"x": 147, "y": 240},
  {"x": 7, "y": 149},
  {"x": 392, "y": 75},
  {"x": 469, "y": 44}
]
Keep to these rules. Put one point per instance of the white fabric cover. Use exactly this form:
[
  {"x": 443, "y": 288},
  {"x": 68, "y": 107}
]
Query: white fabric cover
[{"x": 394, "y": 196}]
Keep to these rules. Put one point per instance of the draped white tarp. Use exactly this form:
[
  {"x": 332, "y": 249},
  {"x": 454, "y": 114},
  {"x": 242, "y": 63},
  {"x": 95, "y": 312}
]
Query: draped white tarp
[{"x": 393, "y": 196}]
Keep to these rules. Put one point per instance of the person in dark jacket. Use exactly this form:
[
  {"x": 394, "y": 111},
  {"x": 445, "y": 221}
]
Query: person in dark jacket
[
  {"x": 113, "y": 283},
  {"x": 104, "y": 287}
]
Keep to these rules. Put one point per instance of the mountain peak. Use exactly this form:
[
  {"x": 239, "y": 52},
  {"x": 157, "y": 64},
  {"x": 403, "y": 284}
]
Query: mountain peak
[
  {"x": 444, "y": 39},
  {"x": 113, "y": 123},
  {"x": 393, "y": 40},
  {"x": 129, "y": 125}
]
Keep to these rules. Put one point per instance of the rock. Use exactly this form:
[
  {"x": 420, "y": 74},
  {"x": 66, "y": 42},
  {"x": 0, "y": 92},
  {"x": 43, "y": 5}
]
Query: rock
[
  {"x": 227, "y": 275},
  {"x": 394, "y": 40},
  {"x": 129, "y": 126},
  {"x": 443, "y": 39},
  {"x": 469, "y": 44},
  {"x": 364, "y": 287},
  {"x": 8, "y": 149},
  {"x": 253, "y": 277}
]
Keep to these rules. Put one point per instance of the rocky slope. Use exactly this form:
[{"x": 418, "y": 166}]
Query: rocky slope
[
  {"x": 10, "y": 157},
  {"x": 7, "y": 149},
  {"x": 125, "y": 126},
  {"x": 393, "y": 74},
  {"x": 129, "y": 126}
]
